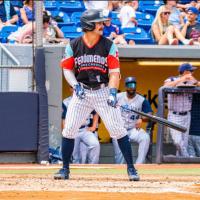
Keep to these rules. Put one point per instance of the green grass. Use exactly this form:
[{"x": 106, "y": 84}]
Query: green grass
[{"x": 171, "y": 171}]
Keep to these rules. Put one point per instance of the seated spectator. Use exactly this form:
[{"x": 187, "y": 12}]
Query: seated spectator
[
  {"x": 184, "y": 7},
  {"x": 17, "y": 4},
  {"x": 8, "y": 14},
  {"x": 51, "y": 32},
  {"x": 117, "y": 5},
  {"x": 176, "y": 18},
  {"x": 127, "y": 15},
  {"x": 163, "y": 32},
  {"x": 90, "y": 4},
  {"x": 27, "y": 13},
  {"x": 191, "y": 29},
  {"x": 113, "y": 32}
]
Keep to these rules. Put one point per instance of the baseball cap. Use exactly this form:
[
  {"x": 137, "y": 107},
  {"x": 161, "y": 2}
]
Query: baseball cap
[
  {"x": 186, "y": 67},
  {"x": 130, "y": 82},
  {"x": 193, "y": 10}
]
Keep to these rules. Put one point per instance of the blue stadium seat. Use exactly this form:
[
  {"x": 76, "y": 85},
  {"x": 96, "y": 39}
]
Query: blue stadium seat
[
  {"x": 71, "y": 32},
  {"x": 6, "y": 31},
  {"x": 50, "y": 5},
  {"x": 144, "y": 20},
  {"x": 70, "y": 6},
  {"x": 149, "y": 6},
  {"x": 139, "y": 35},
  {"x": 116, "y": 21},
  {"x": 114, "y": 15},
  {"x": 75, "y": 17}
]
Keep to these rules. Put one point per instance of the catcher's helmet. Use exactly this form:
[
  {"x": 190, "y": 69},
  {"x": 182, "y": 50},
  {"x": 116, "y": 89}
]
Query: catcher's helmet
[
  {"x": 130, "y": 82},
  {"x": 89, "y": 17}
]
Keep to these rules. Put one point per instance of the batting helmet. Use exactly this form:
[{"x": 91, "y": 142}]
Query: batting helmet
[
  {"x": 89, "y": 17},
  {"x": 130, "y": 82}
]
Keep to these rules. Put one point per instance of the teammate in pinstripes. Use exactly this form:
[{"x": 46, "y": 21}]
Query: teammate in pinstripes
[
  {"x": 86, "y": 147},
  {"x": 132, "y": 122},
  {"x": 179, "y": 107},
  {"x": 91, "y": 67}
]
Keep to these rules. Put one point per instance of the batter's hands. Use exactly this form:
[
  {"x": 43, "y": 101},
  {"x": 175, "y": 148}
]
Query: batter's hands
[
  {"x": 112, "y": 99},
  {"x": 79, "y": 90},
  {"x": 138, "y": 124},
  {"x": 92, "y": 129}
]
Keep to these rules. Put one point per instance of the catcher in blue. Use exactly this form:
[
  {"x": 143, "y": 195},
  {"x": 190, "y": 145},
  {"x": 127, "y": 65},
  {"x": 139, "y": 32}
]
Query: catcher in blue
[{"x": 91, "y": 66}]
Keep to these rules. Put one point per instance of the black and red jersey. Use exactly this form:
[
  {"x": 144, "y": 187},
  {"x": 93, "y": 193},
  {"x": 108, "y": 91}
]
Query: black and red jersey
[{"x": 91, "y": 64}]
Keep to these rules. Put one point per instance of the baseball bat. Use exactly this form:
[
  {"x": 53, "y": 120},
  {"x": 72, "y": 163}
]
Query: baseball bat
[{"x": 157, "y": 119}]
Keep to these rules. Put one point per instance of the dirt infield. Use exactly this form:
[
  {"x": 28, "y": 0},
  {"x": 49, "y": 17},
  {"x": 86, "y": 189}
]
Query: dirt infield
[{"x": 158, "y": 182}]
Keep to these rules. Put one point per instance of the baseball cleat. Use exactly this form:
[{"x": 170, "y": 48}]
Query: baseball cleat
[
  {"x": 133, "y": 175},
  {"x": 62, "y": 174}
]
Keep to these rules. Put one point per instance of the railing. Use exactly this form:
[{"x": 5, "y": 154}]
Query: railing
[
  {"x": 164, "y": 144},
  {"x": 6, "y": 57}
]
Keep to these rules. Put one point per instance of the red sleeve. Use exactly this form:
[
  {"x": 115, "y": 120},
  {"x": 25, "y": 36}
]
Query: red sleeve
[
  {"x": 67, "y": 63},
  {"x": 113, "y": 62}
]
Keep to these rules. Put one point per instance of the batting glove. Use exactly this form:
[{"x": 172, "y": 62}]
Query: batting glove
[
  {"x": 79, "y": 90},
  {"x": 112, "y": 99}
]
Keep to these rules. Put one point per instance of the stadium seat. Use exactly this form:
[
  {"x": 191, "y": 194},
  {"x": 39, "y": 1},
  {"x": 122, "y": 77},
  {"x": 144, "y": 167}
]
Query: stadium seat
[
  {"x": 6, "y": 31},
  {"x": 144, "y": 20},
  {"x": 70, "y": 6},
  {"x": 139, "y": 35},
  {"x": 71, "y": 32},
  {"x": 50, "y": 5},
  {"x": 149, "y": 6},
  {"x": 75, "y": 17}
]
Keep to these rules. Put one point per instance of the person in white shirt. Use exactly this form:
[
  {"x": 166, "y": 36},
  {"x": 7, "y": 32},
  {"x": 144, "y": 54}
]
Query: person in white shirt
[
  {"x": 105, "y": 5},
  {"x": 127, "y": 15}
]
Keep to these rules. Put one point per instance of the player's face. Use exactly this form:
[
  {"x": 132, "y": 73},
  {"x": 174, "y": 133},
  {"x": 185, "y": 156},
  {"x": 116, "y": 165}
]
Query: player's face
[
  {"x": 99, "y": 28},
  {"x": 131, "y": 91}
]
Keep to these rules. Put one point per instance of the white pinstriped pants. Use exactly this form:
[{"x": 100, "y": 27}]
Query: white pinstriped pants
[{"x": 79, "y": 110}]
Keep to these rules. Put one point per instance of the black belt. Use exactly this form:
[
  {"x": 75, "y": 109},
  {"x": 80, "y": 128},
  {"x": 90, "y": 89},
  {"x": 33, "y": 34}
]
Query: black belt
[
  {"x": 103, "y": 85},
  {"x": 180, "y": 113}
]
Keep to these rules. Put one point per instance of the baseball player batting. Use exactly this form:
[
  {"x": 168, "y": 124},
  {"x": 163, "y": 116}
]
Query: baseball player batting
[
  {"x": 91, "y": 67},
  {"x": 132, "y": 121}
]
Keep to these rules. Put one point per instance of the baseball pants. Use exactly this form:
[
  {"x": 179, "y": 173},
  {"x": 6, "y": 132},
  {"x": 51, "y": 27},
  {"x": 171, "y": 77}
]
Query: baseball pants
[
  {"x": 86, "y": 148},
  {"x": 194, "y": 145},
  {"x": 79, "y": 110},
  {"x": 180, "y": 139},
  {"x": 135, "y": 135}
]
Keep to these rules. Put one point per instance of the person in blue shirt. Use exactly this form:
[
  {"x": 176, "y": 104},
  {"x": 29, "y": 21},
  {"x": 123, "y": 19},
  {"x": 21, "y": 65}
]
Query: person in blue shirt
[
  {"x": 8, "y": 15},
  {"x": 113, "y": 32}
]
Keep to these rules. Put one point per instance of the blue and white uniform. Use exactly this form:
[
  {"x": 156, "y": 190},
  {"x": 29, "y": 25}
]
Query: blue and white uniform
[
  {"x": 138, "y": 103},
  {"x": 86, "y": 147}
]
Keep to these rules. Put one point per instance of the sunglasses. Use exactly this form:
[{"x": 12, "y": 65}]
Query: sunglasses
[{"x": 166, "y": 13}]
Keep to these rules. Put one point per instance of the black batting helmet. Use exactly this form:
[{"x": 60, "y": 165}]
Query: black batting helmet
[
  {"x": 89, "y": 17},
  {"x": 130, "y": 82}
]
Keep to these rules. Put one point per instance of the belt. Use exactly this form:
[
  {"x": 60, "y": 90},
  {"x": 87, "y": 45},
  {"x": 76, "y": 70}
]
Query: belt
[
  {"x": 180, "y": 113},
  {"x": 103, "y": 85},
  {"x": 82, "y": 127}
]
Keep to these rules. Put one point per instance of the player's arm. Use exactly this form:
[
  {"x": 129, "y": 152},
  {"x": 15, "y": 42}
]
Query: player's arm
[
  {"x": 146, "y": 108},
  {"x": 114, "y": 67},
  {"x": 67, "y": 64},
  {"x": 114, "y": 75}
]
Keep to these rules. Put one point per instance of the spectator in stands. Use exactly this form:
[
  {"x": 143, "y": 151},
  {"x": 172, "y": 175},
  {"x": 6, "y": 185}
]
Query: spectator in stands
[
  {"x": 135, "y": 4},
  {"x": 17, "y": 4},
  {"x": 113, "y": 32},
  {"x": 27, "y": 13},
  {"x": 191, "y": 29},
  {"x": 175, "y": 18},
  {"x": 8, "y": 14},
  {"x": 163, "y": 32},
  {"x": 184, "y": 7},
  {"x": 117, "y": 5},
  {"x": 105, "y": 5},
  {"x": 51, "y": 32},
  {"x": 127, "y": 15}
]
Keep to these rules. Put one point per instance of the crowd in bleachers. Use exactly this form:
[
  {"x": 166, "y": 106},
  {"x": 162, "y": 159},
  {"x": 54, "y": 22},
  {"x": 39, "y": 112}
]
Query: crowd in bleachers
[{"x": 129, "y": 22}]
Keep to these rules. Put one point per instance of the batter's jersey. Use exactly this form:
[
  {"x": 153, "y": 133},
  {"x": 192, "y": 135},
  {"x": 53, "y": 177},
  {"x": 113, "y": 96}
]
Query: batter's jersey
[
  {"x": 89, "y": 120},
  {"x": 138, "y": 103},
  {"x": 180, "y": 102},
  {"x": 91, "y": 64}
]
